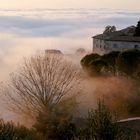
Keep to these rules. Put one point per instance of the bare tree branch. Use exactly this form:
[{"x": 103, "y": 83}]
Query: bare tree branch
[{"x": 41, "y": 82}]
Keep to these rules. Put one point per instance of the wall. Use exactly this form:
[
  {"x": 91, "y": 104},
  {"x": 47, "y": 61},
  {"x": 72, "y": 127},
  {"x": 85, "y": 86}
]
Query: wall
[{"x": 101, "y": 45}]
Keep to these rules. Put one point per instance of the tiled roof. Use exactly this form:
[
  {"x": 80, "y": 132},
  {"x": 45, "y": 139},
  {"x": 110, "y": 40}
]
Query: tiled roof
[{"x": 124, "y": 38}]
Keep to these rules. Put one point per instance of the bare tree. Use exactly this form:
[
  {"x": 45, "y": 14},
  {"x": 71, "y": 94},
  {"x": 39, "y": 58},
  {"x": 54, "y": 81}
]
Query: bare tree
[{"x": 42, "y": 82}]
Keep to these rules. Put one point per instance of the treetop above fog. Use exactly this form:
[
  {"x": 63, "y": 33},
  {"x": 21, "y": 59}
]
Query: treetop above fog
[
  {"x": 137, "y": 30},
  {"x": 125, "y": 63}
]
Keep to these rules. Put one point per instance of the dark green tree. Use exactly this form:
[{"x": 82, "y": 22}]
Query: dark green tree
[
  {"x": 9, "y": 131},
  {"x": 128, "y": 63},
  {"x": 101, "y": 124},
  {"x": 109, "y": 29},
  {"x": 56, "y": 124},
  {"x": 110, "y": 59},
  {"x": 137, "y": 30},
  {"x": 86, "y": 60},
  {"x": 98, "y": 67},
  {"x": 88, "y": 64}
]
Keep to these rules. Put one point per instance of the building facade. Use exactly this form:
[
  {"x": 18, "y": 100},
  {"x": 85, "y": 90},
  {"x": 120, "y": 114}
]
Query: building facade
[{"x": 116, "y": 41}]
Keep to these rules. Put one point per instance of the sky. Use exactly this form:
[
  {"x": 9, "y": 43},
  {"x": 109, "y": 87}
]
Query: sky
[{"x": 31, "y": 4}]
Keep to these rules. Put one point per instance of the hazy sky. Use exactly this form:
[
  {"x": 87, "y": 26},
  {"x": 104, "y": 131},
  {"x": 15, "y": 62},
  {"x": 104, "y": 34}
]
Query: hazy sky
[{"x": 114, "y": 4}]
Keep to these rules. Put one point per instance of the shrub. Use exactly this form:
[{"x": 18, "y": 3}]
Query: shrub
[
  {"x": 57, "y": 123},
  {"x": 101, "y": 124},
  {"x": 8, "y": 131}
]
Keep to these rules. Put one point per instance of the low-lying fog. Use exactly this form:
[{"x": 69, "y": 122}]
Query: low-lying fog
[{"x": 23, "y": 33}]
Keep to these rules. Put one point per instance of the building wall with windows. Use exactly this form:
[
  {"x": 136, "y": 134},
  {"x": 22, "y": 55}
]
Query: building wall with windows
[{"x": 106, "y": 45}]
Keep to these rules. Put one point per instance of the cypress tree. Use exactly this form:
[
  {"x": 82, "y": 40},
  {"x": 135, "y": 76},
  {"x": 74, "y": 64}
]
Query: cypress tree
[{"x": 137, "y": 30}]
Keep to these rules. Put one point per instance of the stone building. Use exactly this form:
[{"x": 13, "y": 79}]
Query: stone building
[{"x": 116, "y": 41}]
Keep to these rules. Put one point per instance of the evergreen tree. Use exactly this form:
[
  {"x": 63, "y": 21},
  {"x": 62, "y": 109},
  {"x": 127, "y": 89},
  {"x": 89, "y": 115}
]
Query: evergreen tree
[
  {"x": 101, "y": 124},
  {"x": 137, "y": 31}
]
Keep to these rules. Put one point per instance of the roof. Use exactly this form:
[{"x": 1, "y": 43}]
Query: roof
[
  {"x": 124, "y": 38},
  {"x": 53, "y": 51},
  {"x": 125, "y": 35}
]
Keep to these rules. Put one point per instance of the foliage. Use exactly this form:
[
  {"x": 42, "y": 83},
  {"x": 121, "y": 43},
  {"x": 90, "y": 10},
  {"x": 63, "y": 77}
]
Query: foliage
[
  {"x": 125, "y": 63},
  {"x": 128, "y": 63},
  {"x": 23, "y": 133},
  {"x": 8, "y": 131},
  {"x": 137, "y": 30},
  {"x": 56, "y": 124},
  {"x": 88, "y": 64},
  {"x": 109, "y": 29},
  {"x": 97, "y": 66},
  {"x": 110, "y": 59},
  {"x": 85, "y": 62},
  {"x": 101, "y": 124}
]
